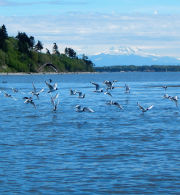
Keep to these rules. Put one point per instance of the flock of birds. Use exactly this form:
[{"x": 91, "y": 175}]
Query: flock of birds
[{"x": 109, "y": 88}]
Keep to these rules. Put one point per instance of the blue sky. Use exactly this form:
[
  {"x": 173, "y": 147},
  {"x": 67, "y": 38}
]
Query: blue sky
[{"x": 92, "y": 26}]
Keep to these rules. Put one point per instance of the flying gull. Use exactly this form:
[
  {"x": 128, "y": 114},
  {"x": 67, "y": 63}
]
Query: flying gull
[
  {"x": 80, "y": 95},
  {"x": 143, "y": 109},
  {"x": 72, "y": 92},
  {"x": 85, "y": 109},
  {"x": 51, "y": 88},
  {"x": 53, "y": 101},
  {"x": 29, "y": 100},
  {"x": 35, "y": 92},
  {"x": 8, "y": 95},
  {"x": 16, "y": 91},
  {"x": 98, "y": 90}
]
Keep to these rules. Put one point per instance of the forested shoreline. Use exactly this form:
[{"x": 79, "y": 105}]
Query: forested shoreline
[
  {"x": 145, "y": 68},
  {"x": 23, "y": 54}
]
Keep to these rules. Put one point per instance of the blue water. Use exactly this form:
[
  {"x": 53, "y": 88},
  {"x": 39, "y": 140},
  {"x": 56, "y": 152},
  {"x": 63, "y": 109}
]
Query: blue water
[{"x": 110, "y": 151}]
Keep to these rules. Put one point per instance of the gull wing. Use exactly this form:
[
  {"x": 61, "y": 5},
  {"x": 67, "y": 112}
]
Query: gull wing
[
  {"x": 31, "y": 102},
  {"x": 118, "y": 105},
  {"x": 97, "y": 85},
  {"x": 176, "y": 102},
  {"x": 127, "y": 88},
  {"x": 26, "y": 101},
  {"x": 52, "y": 101},
  {"x": 166, "y": 96},
  {"x": 71, "y": 91},
  {"x": 78, "y": 106},
  {"x": 108, "y": 93},
  {"x": 149, "y": 107},
  {"x": 25, "y": 98},
  {"x": 41, "y": 90},
  {"x": 13, "y": 98},
  {"x": 140, "y": 107},
  {"x": 56, "y": 96},
  {"x": 57, "y": 103},
  {"x": 55, "y": 85},
  {"x": 21, "y": 92},
  {"x": 50, "y": 86},
  {"x": 86, "y": 109},
  {"x": 5, "y": 93},
  {"x": 175, "y": 98},
  {"x": 80, "y": 93},
  {"x": 34, "y": 88},
  {"x": 14, "y": 90}
]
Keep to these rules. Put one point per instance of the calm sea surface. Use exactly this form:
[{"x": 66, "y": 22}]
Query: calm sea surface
[{"x": 110, "y": 151}]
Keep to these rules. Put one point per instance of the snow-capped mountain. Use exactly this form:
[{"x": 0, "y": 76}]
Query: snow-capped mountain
[
  {"x": 130, "y": 56},
  {"x": 121, "y": 50}
]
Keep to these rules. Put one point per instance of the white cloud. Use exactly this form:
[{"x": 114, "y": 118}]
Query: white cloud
[
  {"x": 158, "y": 34},
  {"x": 155, "y": 12}
]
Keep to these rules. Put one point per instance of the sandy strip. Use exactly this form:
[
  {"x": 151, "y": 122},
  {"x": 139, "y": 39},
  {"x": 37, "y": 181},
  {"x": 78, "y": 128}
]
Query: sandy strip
[{"x": 41, "y": 73}]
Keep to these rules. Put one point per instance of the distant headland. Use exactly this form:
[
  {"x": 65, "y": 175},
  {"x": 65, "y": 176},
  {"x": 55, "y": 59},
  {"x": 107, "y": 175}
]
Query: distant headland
[{"x": 22, "y": 54}]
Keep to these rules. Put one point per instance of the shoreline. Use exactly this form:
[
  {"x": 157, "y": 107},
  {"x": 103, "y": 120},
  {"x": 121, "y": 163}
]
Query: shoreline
[{"x": 43, "y": 73}]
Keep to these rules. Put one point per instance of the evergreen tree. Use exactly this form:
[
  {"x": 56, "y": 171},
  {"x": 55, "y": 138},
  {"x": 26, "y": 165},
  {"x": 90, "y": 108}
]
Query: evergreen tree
[
  {"x": 47, "y": 51},
  {"x": 70, "y": 52},
  {"x": 24, "y": 42},
  {"x": 66, "y": 51},
  {"x": 3, "y": 37},
  {"x": 55, "y": 49},
  {"x": 84, "y": 57},
  {"x": 39, "y": 46},
  {"x": 31, "y": 42}
]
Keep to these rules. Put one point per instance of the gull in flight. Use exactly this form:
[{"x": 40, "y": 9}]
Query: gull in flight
[
  {"x": 110, "y": 84},
  {"x": 36, "y": 93},
  {"x": 85, "y": 109},
  {"x": 175, "y": 99},
  {"x": 72, "y": 92},
  {"x": 98, "y": 90},
  {"x": 165, "y": 87},
  {"x": 143, "y": 109},
  {"x": 51, "y": 88},
  {"x": 53, "y": 102},
  {"x": 127, "y": 89},
  {"x": 16, "y": 91},
  {"x": 29, "y": 100},
  {"x": 166, "y": 96},
  {"x": 56, "y": 96},
  {"x": 80, "y": 95},
  {"x": 115, "y": 103},
  {"x": 8, "y": 95}
]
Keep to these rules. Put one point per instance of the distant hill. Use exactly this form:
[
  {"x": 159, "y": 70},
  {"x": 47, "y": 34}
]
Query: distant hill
[{"x": 129, "y": 56}]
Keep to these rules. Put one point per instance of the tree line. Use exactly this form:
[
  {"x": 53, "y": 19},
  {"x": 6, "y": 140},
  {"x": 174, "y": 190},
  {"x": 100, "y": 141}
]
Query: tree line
[
  {"x": 144, "y": 68},
  {"x": 22, "y": 54}
]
